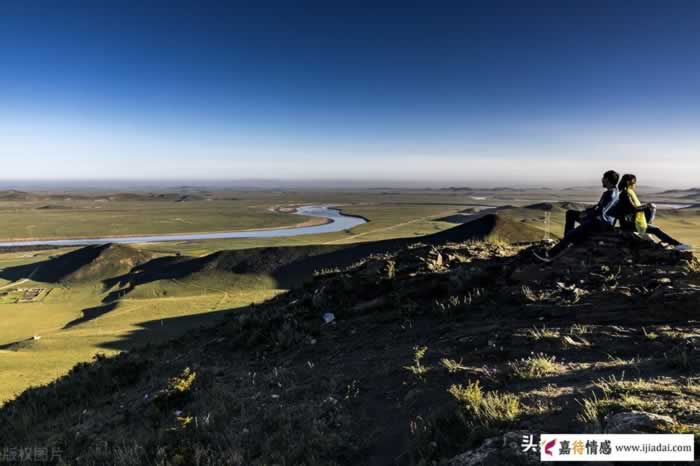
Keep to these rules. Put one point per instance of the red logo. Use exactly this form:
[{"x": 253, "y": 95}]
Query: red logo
[{"x": 548, "y": 447}]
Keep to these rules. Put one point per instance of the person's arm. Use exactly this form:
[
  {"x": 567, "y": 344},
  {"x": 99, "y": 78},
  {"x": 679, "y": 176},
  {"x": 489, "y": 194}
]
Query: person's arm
[
  {"x": 642, "y": 207},
  {"x": 609, "y": 203},
  {"x": 596, "y": 209},
  {"x": 625, "y": 205}
]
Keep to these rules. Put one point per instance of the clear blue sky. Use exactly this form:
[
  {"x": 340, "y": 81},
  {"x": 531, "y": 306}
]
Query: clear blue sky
[{"x": 522, "y": 92}]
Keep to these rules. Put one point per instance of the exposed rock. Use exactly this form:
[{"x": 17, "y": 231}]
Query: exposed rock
[
  {"x": 505, "y": 450},
  {"x": 635, "y": 422}
]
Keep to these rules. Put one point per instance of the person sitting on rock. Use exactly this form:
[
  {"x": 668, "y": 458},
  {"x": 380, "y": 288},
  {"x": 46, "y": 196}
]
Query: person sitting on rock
[
  {"x": 637, "y": 217},
  {"x": 581, "y": 217},
  {"x": 596, "y": 219}
]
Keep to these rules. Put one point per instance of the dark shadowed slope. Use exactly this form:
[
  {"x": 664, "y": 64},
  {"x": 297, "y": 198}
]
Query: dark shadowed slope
[
  {"x": 257, "y": 261},
  {"x": 489, "y": 226},
  {"x": 86, "y": 264},
  {"x": 435, "y": 351}
]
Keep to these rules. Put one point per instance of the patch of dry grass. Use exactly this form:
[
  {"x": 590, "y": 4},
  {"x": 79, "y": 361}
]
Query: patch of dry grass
[
  {"x": 452, "y": 366},
  {"x": 533, "y": 367},
  {"x": 537, "y": 334},
  {"x": 580, "y": 329},
  {"x": 486, "y": 409}
]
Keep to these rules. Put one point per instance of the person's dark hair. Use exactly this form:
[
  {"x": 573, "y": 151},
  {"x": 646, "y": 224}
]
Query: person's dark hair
[
  {"x": 612, "y": 175},
  {"x": 627, "y": 181}
]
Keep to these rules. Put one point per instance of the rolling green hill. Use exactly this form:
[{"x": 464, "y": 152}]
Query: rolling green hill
[{"x": 91, "y": 263}]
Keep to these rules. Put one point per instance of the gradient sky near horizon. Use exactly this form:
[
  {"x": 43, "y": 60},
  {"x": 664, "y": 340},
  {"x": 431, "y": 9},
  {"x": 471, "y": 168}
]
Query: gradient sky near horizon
[{"x": 521, "y": 92}]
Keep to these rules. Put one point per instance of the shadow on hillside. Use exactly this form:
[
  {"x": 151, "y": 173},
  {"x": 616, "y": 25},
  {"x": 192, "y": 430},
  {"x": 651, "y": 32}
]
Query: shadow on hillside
[
  {"x": 91, "y": 313},
  {"x": 258, "y": 261},
  {"x": 53, "y": 270},
  {"x": 160, "y": 330},
  {"x": 162, "y": 268},
  {"x": 482, "y": 226},
  {"x": 470, "y": 214},
  {"x": 18, "y": 345}
]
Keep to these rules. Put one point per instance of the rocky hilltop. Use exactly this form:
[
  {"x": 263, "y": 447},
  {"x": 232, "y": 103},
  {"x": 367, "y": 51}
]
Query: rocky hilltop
[{"x": 431, "y": 354}]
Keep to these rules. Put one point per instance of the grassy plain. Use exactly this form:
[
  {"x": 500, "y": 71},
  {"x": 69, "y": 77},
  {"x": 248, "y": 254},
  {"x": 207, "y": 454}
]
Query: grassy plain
[
  {"x": 38, "y": 342},
  {"x": 91, "y": 218}
]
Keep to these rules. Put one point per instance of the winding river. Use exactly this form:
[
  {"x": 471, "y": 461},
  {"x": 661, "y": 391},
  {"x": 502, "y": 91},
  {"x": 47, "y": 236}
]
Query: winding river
[{"x": 338, "y": 222}]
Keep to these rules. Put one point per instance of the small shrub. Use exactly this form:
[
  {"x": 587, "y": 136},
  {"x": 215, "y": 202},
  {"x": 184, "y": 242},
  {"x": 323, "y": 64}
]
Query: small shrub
[
  {"x": 651, "y": 336},
  {"x": 184, "y": 421},
  {"x": 495, "y": 240},
  {"x": 533, "y": 367},
  {"x": 536, "y": 296},
  {"x": 592, "y": 412},
  {"x": 183, "y": 382},
  {"x": 632, "y": 402},
  {"x": 594, "y": 409},
  {"x": 390, "y": 269},
  {"x": 620, "y": 387},
  {"x": 177, "y": 390},
  {"x": 418, "y": 368},
  {"x": 469, "y": 395},
  {"x": 485, "y": 409}
]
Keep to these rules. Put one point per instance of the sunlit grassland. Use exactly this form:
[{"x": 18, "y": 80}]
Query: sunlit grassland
[
  {"x": 85, "y": 218},
  {"x": 386, "y": 221},
  {"x": 135, "y": 320}
]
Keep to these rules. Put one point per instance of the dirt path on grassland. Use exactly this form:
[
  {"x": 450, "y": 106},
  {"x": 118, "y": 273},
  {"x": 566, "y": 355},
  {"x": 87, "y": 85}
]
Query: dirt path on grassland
[
  {"x": 11, "y": 285},
  {"x": 391, "y": 227}
]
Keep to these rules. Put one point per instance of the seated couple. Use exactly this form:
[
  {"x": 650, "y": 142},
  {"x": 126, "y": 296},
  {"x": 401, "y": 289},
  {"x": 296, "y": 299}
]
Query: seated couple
[{"x": 618, "y": 202}]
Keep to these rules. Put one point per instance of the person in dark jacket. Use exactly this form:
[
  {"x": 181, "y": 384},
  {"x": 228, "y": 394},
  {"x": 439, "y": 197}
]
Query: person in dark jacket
[
  {"x": 600, "y": 211},
  {"x": 596, "y": 219},
  {"x": 637, "y": 217}
]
